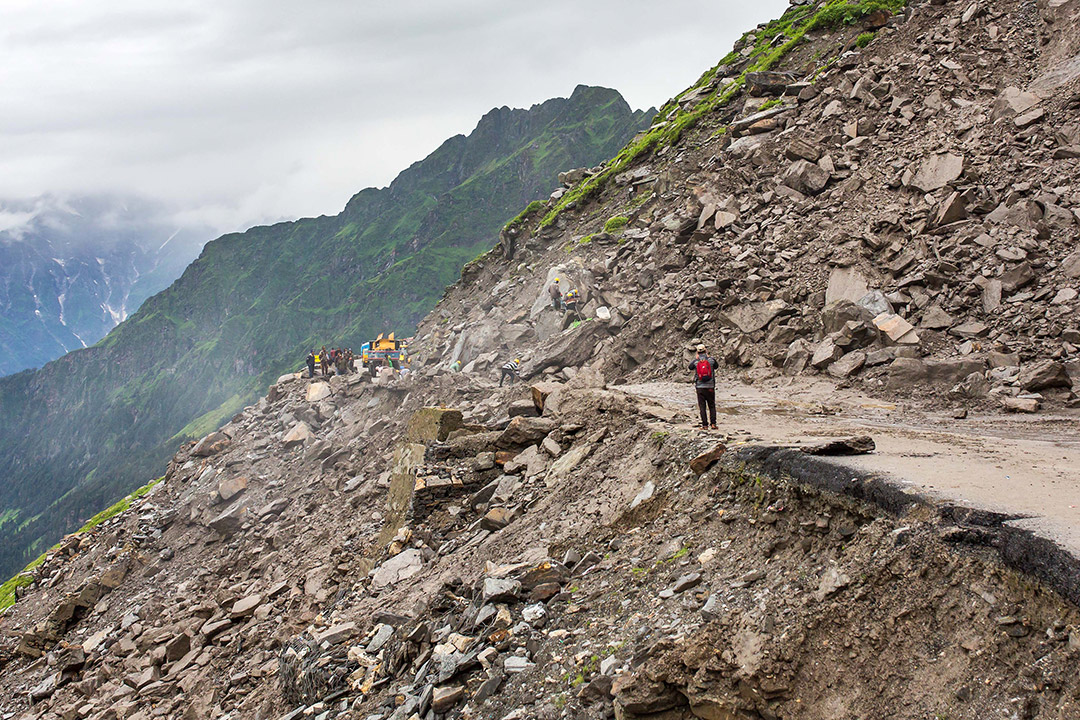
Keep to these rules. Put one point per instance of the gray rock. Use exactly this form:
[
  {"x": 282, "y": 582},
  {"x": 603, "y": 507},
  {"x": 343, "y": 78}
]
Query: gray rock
[
  {"x": 848, "y": 365},
  {"x": 686, "y": 582},
  {"x": 826, "y": 353},
  {"x": 806, "y": 177},
  {"x": 1071, "y": 265},
  {"x": 1044, "y": 374},
  {"x": 937, "y": 171},
  {"x": 759, "y": 84},
  {"x": 644, "y": 495},
  {"x": 1020, "y": 405},
  {"x": 1017, "y": 278},
  {"x": 402, "y": 566},
  {"x": 212, "y": 444},
  {"x": 230, "y": 487},
  {"x": 535, "y": 615},
  {"x": 336, "y": 633},
  {"x": 298, "y": 434},
  {"x": 500, "y": 590},
  {"x": 936, "y": 319},
  {"x": 383, "y": 633},
  {"x": 751, "y": 317},
  {"x": 230, "y": 521},
  {"x": 517, "y": 664}
]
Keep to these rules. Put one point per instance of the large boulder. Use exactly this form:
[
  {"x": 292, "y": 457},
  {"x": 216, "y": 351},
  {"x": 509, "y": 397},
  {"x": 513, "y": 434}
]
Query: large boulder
[
  {"x": 1013, "y": 101},
  {"x": 432, "y": 424},
  {"x": 230, "y": 521},
  {"x": 524, "y": 431},
  {"x": 759, "y": 84},
  {"x": 400, "y": 567},
  {"x": 298, "y": 434},
  {"x": 1044, "y": 374},
  {"x": 318, "y": 391},
  {"x": 212, "y": 444},
  {"x": 751, "y": 317},
  {"x": 571, "y": 348},
  {"x": 541, "y": 391},
  {"x": 937, "y": 171},
  {"x": 911, "y": 374},
  {"x": 230, "y": 487},
  {"x": 806, "y": 177},
  {"x": 1016, "y": 278},
  {"x": 837, "y": 314},
  {"x": 1071, "y": 265}
]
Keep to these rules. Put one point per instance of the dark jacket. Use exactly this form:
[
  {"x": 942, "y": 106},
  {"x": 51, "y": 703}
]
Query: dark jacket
[{"x": 709, "y": 384}]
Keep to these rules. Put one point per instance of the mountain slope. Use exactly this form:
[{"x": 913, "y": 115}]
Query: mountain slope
[
  {"x": 70, "y": 270},
  {"x": 597, "y": 555},
  {"x": 87, "y": 427}
]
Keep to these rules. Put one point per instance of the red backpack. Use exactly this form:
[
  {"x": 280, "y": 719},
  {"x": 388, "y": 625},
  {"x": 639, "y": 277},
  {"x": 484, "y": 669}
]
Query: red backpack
[{"x": 704, "y": 370}]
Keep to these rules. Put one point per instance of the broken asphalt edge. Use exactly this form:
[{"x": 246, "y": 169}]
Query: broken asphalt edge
[{"x": 1019, "y": 548}]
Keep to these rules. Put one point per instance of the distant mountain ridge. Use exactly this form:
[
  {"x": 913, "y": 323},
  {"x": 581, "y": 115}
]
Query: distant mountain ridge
[
  {"x": 72, "y": 269},
  {"x": 98, "y": 422}
]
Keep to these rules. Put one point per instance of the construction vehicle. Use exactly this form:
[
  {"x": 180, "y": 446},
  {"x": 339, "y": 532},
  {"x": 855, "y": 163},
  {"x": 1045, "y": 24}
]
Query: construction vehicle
[{"x": 383, "y": 351}]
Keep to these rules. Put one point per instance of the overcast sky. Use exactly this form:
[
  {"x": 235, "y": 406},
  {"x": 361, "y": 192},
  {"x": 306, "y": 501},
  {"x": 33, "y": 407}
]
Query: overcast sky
[{"x": 244, "y": 111}]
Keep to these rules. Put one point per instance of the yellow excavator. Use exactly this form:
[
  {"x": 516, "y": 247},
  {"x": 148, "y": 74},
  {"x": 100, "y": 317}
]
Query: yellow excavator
[{"x": 383, "y": 351}]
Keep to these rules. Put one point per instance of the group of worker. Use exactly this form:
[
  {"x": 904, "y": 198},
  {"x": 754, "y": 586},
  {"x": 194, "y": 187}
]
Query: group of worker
[
  {"x": 564, "y": 303},
  {"x": 339, "y": 361}
]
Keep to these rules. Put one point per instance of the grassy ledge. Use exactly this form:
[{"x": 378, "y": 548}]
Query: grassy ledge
[
  {"x": 26, "y": 577},
  {"x": 672, "y": 121}
]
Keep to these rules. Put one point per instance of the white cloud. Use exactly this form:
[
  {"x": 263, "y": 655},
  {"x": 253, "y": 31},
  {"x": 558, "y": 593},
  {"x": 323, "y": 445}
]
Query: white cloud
[{"x": 249, "y": 111}]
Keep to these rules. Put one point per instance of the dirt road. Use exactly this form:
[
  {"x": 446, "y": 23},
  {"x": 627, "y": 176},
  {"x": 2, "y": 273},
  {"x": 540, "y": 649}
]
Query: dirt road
[{"x": 1027, "y": 466}]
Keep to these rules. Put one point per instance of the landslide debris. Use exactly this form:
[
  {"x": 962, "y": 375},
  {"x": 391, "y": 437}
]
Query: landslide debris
[{"x": 413, "y": 560}]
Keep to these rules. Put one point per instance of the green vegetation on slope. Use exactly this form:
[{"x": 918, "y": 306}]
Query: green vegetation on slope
[
  {"x": 26, "y": 578},
  {"x": 88, "y": 427},
  {"x": 672, "y": 121}
]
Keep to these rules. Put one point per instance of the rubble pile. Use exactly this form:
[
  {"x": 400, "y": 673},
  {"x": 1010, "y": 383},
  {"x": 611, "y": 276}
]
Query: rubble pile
[
  {"x": 906, "y": 218},
  {"x": 607, "y": 563}
]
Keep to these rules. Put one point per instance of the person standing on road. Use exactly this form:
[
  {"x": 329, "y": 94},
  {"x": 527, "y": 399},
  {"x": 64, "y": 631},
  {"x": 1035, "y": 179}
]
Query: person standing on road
[
  {"x": 509, "y": 370},
  {"x": 311, "y": 364},
  {"x": 704, "y": 369}
]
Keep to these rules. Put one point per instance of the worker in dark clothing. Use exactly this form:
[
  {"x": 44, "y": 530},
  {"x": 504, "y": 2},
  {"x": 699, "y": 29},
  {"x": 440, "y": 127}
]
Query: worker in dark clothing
[
  {"x": 509, "y": 370},
  {"x": 555, "y": 292},
  {"x": 311, "y": 364},
  {"x": 704, "y": 369}
]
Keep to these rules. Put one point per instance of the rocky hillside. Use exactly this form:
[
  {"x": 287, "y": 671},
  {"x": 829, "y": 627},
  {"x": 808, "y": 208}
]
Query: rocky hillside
[
  {"x": 877, "y": 193},
  {"x": 87, "y": 428},
  {"x": 569, "y": 550},
  {"x": 71, "y": 270}
]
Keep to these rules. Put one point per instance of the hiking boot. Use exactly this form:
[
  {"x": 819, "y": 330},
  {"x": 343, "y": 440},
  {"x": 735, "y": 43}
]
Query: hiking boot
[{"x": 712, "y": 427}]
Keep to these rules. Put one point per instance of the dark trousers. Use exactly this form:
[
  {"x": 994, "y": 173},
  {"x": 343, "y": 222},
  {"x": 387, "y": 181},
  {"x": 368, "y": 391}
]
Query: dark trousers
[
  {"x": 706, "y": 398},
  {"x": 311, "y": 370},
  {"x": 506, "y": 373}
]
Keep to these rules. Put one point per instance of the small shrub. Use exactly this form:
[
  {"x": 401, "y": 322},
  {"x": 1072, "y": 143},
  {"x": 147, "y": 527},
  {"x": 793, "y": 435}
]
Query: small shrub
[
  {"x": 615, "y": 224},
  {"x": 865, "y": 39},
  {"x": 533, "y": 207},
  {"x": 770, "y": 104}
]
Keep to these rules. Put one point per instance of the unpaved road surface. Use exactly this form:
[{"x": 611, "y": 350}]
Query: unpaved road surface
[{"x": 1021, "y": 465}]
